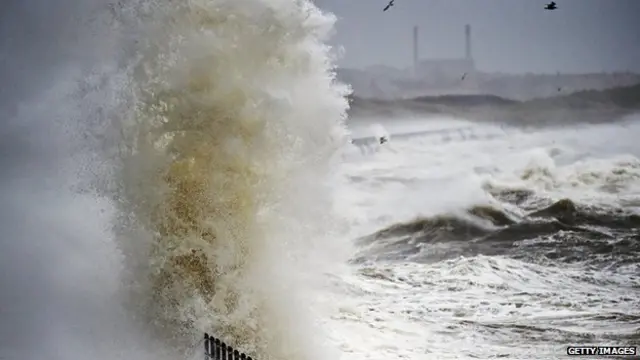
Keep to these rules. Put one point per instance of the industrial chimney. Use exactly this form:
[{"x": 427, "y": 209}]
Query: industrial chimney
[
  {"x": 467, "y": 39},
  {"x": 415, "y": 51}
]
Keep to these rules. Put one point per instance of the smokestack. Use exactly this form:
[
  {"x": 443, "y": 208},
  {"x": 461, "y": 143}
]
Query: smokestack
[
  {"x": 415, "y": 50},
  {"x": 467, "y": 39}
]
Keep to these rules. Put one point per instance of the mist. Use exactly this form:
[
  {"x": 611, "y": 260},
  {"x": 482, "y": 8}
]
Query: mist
[{"x": 57, "y": 264}]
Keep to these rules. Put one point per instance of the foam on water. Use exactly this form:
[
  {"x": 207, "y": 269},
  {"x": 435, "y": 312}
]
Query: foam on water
[
  {"x": 449, "y": 169},
  {"x": 461, "y": 308}
]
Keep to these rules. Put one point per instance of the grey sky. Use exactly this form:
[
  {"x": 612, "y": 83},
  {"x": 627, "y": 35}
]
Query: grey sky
[{"x": 508, "y": 35}]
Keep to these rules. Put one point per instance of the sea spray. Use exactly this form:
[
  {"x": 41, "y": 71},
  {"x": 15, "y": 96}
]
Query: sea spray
[{"x": 232, "y": 124}]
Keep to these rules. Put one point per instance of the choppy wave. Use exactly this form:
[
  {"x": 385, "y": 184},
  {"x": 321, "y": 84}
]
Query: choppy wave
[
  {"x": 228, "y": 110},
  {"x": 588, "y": 208},
  {"x": 516, "y": 220},
  {"x": 578, "y": 234},
  {"x": 525, "y": 243}
]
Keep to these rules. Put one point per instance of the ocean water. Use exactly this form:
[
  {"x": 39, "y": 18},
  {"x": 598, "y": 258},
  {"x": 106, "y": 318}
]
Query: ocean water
[
  {"x": 491, "y": 244},
  {"x": 198, "y": 176}
]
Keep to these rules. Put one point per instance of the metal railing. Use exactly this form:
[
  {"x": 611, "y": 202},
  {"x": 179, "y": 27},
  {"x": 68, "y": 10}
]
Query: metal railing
[{"x": 216, "y": 349}]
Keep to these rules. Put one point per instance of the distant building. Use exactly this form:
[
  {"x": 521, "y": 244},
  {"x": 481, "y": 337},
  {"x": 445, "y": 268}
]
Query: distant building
[{"x": 459, "y": 76}]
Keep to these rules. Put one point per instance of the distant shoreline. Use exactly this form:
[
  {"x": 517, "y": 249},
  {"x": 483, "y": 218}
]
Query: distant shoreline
[
  {"x": 581, "y": 106},
  {"x": 390, "y": 83}
]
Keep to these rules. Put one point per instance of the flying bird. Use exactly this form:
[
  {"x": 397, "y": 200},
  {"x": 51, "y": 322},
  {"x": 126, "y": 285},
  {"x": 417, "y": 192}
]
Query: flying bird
[
  {"x": 390, "y": 4},
  {"x": 463, "y": 76},
  {"x": 551, "y": 6}
]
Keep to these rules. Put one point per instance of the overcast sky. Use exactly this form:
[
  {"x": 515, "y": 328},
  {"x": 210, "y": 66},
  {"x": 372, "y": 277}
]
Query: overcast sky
[{"x": 508, "y": 35}]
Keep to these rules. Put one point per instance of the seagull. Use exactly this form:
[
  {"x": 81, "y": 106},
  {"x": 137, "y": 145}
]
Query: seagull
[
  {"x": 390, "y": 4},
  {"x": 463, "y": 76},
  {"x": 551, "y": 6}
]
